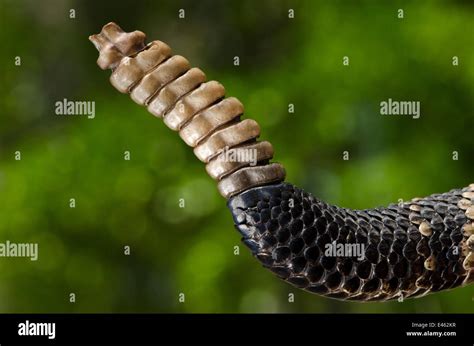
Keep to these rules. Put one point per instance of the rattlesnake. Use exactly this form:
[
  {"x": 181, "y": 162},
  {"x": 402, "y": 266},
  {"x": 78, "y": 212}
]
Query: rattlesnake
[{"x": 409, "y": 249}]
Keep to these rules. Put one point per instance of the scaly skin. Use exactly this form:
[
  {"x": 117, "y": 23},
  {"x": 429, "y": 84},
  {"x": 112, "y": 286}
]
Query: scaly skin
[{"x": 411, "y": 249}]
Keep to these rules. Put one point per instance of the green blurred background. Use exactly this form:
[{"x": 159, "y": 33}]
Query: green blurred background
[{"x": 136, "y": 203}]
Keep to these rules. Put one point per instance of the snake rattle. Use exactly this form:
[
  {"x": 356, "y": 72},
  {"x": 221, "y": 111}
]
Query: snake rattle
[{"x": 410, "y": 248}]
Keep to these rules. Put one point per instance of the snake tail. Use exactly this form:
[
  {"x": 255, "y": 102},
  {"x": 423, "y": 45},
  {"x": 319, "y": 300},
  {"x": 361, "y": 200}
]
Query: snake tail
[{"x": 405, "y": 250}]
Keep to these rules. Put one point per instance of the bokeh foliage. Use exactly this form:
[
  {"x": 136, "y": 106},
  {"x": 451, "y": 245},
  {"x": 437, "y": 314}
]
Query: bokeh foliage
[{"x": 135, "y": 203}]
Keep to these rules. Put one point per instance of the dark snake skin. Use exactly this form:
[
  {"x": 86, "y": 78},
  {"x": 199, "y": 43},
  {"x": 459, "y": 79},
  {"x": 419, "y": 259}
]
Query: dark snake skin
[{"x": 287, "y": 230}]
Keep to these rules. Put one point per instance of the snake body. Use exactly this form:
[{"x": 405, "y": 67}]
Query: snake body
[{"x": 407, "y": 249}]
